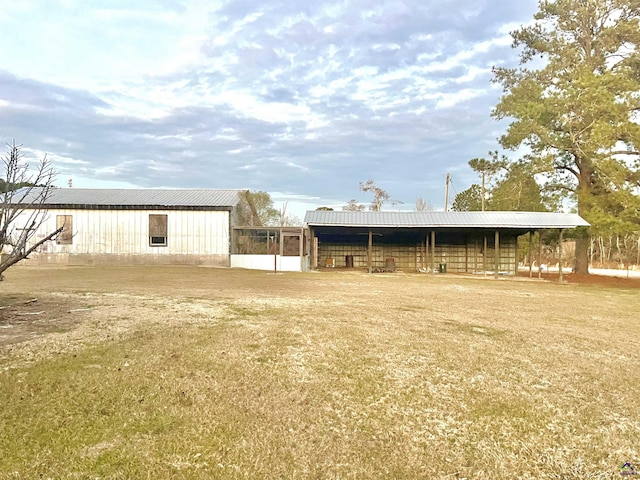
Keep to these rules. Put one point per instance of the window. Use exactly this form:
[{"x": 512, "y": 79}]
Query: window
[
  {"x": 65, "y": 237},
  {"x": 158, "y": 230}
]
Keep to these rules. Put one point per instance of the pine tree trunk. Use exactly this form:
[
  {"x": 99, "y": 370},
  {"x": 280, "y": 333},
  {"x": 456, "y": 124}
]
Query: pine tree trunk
[
  {"x": 583, "y": 236},
  {"x": 582, "y": 255}
]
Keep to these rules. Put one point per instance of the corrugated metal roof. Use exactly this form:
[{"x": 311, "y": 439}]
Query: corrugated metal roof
[
  {"x": 142, "y": 197},
  {"x": 444, "y": 219}
]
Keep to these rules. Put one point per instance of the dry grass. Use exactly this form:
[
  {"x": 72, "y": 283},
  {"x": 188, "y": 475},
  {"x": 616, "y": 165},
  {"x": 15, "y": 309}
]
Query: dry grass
[{"x": 206, "y": 373}]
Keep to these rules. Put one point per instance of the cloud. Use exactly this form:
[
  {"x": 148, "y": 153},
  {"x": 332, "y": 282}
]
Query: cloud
[{"x": 301, "y": 98}]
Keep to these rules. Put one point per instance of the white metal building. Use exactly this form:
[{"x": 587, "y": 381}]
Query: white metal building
[{"x": 137, "y": 226}]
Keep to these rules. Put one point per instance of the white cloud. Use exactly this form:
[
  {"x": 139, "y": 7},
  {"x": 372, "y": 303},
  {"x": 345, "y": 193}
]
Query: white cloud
[{"x": 306, "y": 98}]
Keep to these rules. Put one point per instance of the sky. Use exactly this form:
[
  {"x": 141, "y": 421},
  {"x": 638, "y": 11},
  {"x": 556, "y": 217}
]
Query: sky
[{"x": 302, "y": 99}]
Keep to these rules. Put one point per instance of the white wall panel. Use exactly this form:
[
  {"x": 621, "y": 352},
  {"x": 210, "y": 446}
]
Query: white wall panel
[{"x": 126, "y": 232}]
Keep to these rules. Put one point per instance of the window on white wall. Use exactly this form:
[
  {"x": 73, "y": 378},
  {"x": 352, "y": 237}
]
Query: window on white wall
[
  {"x": 157, "y": 230},
  {"x": 65, "y": 237}
]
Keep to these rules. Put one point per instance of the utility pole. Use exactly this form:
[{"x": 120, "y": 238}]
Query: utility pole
[
  {"x": 446, "y": 192},
  {"x": 483, "y": 190}
]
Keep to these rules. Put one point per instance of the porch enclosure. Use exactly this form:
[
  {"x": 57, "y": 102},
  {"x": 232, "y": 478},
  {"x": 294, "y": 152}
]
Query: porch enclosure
[{"x": 270, "y": 248}]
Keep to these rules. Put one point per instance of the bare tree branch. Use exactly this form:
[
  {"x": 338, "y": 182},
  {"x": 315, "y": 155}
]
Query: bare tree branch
[{"x": 24, "y": 191}]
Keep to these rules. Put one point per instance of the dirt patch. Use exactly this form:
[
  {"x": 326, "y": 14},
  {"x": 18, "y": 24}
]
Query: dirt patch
[{"x": 26, "y": 317}]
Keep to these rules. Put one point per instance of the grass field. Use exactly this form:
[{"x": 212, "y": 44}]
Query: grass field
[{"x": 197, "y": 373}]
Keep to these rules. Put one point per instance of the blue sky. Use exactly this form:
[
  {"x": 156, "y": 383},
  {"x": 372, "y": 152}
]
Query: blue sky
[{"x": 300, "y": 99}]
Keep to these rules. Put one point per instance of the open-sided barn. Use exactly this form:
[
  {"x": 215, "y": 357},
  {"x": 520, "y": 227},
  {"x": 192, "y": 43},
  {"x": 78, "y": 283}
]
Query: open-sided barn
[
  {"x": 429, "y": 241},
  {"x": 132, "y": 226}
]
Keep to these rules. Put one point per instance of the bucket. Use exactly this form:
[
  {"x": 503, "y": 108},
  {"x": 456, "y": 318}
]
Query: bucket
[
  {"x": 443, "y": 268},
  {"x": 348, "y": 260},
  {"x": 390, "y": 265}
]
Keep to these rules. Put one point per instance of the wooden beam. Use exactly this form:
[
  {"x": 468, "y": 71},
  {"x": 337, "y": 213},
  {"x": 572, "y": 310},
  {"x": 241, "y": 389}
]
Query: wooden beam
[
  {"x": 313, "y": 261},
  {"x": 475, "y": 254},
  {"x": 539, "y": 253},
  {"x": 560, "y": 257},
  {"x": 497, "y": 254},
  {"x": 433, "y": 251},
  {"x": 484, "y": 256},
  {"x": 466, "y": 253},
  {"x": 426, "y": 252},
  {"x": 370, "y": 251},
  {"x": 517, "y": 251},
  {"x": 301, "y": 249},
  {"x": 530, "y": 253}
]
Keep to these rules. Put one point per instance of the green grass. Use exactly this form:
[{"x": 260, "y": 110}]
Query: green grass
[{"x": 316, "y": 376}]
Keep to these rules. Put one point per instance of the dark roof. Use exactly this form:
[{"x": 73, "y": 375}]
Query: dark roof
[
  {"x": 515, "y": 220},
  {"x": 144, "y": 198}
]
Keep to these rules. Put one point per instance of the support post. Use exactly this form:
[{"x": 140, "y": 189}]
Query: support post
[
  {"x": 539, "y": 253},
  {"x": 301, "y": 250},
  {"x": 370, "y": 251},
  {"x": 475, "y": 254},
  {"x": 466, "y": 254},
  {"x": 313, "y": 260},
  {"x": 497, "y": 255},
  {"x": 517, "y": 265},
  {"x": 427, "y": 250},
  {"x": 530, "y": 253},
  {"x": 560, "y": 257},
  {"x": 275, "y": 253},
  {"x": 484, "y": 257},
  {"x": 433, "y": 251}
]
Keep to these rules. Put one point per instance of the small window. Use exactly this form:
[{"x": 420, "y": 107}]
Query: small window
[
  {"x": 158, "y": 230},
  {"x": 65, "y": 237}
]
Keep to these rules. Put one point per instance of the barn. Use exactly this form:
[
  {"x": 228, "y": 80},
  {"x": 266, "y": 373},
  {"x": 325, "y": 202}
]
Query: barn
[
  {"x": 136, "y": 226},
  {"x": 456, "y": 242}
]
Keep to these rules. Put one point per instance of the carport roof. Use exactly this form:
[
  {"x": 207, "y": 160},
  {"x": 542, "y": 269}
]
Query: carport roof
[{"x": 504, "y": 220}]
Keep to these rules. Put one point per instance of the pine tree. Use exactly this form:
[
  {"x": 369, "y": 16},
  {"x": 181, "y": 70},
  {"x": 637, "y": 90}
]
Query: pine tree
[{"x": 574, "y": 103}]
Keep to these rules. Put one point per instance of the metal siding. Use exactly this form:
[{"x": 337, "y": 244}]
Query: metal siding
[{"x": 125, "y": 232}]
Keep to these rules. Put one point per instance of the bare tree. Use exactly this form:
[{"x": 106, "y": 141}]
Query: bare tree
[
  {"x": 353, "y": 206},
  {"x": 23, "y": 193},
  {"x": 422, "y": 205},
  {"x": 379, "y": 195},
  {"x": 288, "y": 219}
]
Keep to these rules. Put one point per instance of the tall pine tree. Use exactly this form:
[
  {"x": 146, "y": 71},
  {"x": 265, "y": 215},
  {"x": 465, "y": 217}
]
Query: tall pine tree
[{"x": 575, "y": 102}]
